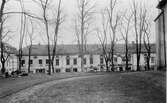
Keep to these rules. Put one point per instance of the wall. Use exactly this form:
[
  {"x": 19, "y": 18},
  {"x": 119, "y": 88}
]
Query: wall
[
  {"x": 166, "y": 30},
  {"x": 142, "y": 61},
  {"x": 160, "y": 42},
  {"x": 62, "y": 63}
]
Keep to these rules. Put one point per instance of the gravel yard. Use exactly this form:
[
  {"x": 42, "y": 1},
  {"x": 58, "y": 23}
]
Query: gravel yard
[{"x": 135, "y": 87}]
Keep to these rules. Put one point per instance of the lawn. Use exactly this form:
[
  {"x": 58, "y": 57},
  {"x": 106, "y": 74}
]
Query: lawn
[
  {"x": 135, "y": 87},
  {"x": 8, "y": 86}
]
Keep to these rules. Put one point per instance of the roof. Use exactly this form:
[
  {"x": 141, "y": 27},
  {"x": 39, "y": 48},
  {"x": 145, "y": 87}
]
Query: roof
[
  {"x": 41, "y": 50},
  {"x": 9, "y": 49}
]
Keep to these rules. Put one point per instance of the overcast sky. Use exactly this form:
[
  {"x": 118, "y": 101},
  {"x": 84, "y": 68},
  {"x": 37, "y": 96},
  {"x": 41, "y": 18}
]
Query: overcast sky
[{"x": 66, "y": 35}]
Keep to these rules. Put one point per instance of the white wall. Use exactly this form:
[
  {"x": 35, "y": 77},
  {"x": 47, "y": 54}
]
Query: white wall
[
  {"x": 142, "y": 61},
  {"x": 166, "y": 29},
  {"x": 62, "y": 62}
]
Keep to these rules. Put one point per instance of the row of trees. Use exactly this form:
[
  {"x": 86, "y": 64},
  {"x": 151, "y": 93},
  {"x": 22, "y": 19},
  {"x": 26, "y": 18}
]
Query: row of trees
[
  {"x": 27, "y": 22},
  {"x": 134, "y": 20},
  {"x": 114, "y": 22}
]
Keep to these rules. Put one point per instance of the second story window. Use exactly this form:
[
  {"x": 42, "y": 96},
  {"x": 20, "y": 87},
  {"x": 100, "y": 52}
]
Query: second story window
[
  {"x": 67, "y": 60},
  {"x": 40, "y": 61},
  {"x": 115, "y": 59},
  {"x": 101, "y": 61},
  {"x": 47, "y": 61},
  {"x": 84, "y": 61},
  {"x": 152, "y": 59},
  {"x": 22, "y": 62},
  {"x": 57, "y": 62},
  {"x": 75, "y": 61},
  {"x": 31, "y": 61},
  {"x": 91, "y": 59}
]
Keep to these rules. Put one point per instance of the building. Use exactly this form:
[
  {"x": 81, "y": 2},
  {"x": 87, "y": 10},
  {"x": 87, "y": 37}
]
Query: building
[
  {"x": 161, "y": 35},
  {"x": 67, "y": 58},
  {"x": 11, "y": 58}
]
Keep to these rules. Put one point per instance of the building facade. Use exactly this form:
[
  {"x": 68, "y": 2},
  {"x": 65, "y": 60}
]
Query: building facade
[
  {"x": 161, "y": 35},
  {"x": 67, "y": 59}
]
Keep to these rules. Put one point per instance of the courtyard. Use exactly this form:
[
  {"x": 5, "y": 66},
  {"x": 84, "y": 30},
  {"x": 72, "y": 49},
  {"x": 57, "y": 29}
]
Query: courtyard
[{"x": 127, "y": 87}]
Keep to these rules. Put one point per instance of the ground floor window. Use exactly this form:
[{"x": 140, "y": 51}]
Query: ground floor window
[
  {"x": 120, "y": 68},
  {"x": 68, "y": 70},
  {"x": 40, "y": 70},
  {"x": 75, "y": 70},
  {"x": 58, "y": 70}
]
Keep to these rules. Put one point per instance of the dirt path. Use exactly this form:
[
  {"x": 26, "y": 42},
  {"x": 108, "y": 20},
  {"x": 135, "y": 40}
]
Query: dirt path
[{"x": 25, "y": 94}]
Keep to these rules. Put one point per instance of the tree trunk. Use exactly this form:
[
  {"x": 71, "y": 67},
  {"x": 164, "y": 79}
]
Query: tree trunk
[
  {"x": 49, "y": 66},
  {"x": 1, "y": 30},
  {"x": 29, "y": 58},
  {"x": 53, "y": 69},
  {"x": 20, "y": 63},
  {"x": 148, "y": 61},
  {"x": 112, "y": 59},
  {"x": 138, "y": 62},
  {"x": 107, "y": 67},
  {"x": 3, "y": 70},
  {"x": 126, "y": 55}
]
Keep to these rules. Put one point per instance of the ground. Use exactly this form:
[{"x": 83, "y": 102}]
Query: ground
[{"x": 134, "y": 87}]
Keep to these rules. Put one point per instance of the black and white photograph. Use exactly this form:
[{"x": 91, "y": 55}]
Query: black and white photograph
[{"x": 83, "y": 51}]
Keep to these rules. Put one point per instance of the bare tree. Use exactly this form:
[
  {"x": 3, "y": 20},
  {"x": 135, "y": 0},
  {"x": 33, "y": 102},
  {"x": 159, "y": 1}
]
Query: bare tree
[
  {"x": 4, "y": 53},
  {"x": 82, "y": 25},
  {"x": 147, "y": 45},
  {"x": 1, "y": 31},
  {"x": 59, "y": 20},
  {"x": 125, "y": 34},
  {"x": 44, "y": 4},
  {"x": 139, "y": 16},
  {"x": 110, "y": 23},
  {"x": 30, "y": 34},
  {"x": 22, "y": 34},
  {"x": 113, "y": 25},
  {"x": 102, "y": 36}
]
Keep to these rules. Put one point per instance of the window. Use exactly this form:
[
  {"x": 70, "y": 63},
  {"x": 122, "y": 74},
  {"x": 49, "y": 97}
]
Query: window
[
  {"x": 67, "y": 61},
  {"x": 47, "y": 61},
  {"x": 31, "y": 61},
  {"x": 91, "y": 59},
  {"x": 84, "y": 61},
  {"x": 40, "y": 61},
  {"x": 57, "y": 62},
  {"x": 152, "y": 59},
  {"x": 75, "y": 61},
  {"x": 22, "y": 62},
  {"x": 68, "y": 70},
  {"x": 101, "y": 61},
  {"x": 115, "y": 59},
  {"x": 58, "y": 70},
  {"x": 40, "y": 70},
  {"x": 75, "y": 70}
]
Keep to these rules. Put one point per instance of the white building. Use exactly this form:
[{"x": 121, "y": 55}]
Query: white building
[
  {"x": 67, "y": 59},
  {"x": 161, "y": 35}
]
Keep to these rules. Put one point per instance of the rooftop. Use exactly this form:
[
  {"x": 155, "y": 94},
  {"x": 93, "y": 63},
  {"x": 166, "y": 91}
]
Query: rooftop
[{"x": 41, "y": 50}]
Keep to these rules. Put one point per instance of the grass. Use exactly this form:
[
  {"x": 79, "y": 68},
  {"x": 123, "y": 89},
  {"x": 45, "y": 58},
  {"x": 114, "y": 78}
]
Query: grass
[
  {"x": 136, "y": 87},
  {"x": 8, "y": 86}
]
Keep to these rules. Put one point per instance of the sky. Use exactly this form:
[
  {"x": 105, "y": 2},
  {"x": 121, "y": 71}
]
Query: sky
[{"x": 69, "y": 7}]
